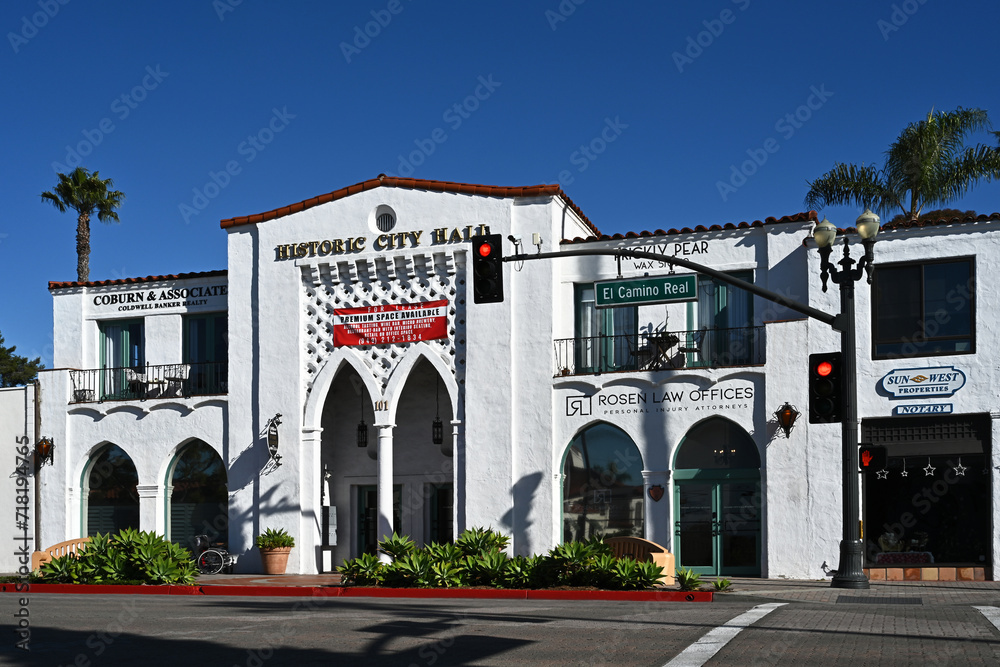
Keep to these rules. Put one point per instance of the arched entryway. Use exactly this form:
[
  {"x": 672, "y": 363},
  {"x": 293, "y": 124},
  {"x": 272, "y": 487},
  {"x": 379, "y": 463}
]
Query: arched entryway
[
  {"x": 199, "y": 501},
  {"x": 717, "y": 500},
  {"x": 602, "y": 485},
  {"x": 109, "y": 489}
]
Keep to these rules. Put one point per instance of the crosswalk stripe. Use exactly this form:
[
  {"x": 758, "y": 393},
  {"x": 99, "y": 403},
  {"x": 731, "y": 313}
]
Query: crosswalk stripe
[{"x": 701, "y": 651}]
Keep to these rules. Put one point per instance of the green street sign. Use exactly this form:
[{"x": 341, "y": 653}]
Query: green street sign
[{"x": 647, "y": 290}]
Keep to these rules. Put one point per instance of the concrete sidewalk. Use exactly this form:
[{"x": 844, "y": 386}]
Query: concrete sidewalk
[
  {"x": 890, "y": 592},
  {"x": 819, "y": 590}
]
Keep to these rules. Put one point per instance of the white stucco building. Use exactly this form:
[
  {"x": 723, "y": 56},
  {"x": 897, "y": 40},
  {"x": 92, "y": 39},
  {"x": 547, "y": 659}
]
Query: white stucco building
[{"x": 560, "y": 419}]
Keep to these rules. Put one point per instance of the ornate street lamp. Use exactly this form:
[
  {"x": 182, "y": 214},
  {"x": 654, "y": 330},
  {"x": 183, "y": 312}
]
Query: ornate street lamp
[{"x": 850, "y": 573}]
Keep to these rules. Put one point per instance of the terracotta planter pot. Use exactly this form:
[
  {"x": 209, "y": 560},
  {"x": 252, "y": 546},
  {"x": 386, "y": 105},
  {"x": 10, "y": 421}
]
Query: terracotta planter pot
[{"x": 274, "y": 561}]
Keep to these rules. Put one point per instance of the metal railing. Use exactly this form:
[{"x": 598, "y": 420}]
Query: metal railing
[
  {"x": 146, "y": 382},
  {"x": 667, "y": 350}
]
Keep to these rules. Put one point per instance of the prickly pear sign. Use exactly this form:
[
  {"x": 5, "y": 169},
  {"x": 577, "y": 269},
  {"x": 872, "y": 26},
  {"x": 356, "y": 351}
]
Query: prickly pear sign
[{"x": 923, "y": 382}]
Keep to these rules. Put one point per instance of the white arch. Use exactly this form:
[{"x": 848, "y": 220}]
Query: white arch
[
  {"x": 312, "y": 413},
  {"x": 394, "y": 388}
]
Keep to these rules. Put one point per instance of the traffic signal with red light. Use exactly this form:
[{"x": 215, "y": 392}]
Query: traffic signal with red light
[
  {"x": 487, "y": 269},
  {"x": 825, "y": 388},
  {"x": 872, "y": 457}
]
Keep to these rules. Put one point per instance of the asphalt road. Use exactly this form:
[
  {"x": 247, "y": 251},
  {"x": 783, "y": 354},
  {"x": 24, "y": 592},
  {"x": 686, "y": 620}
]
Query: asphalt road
[{"x": 87, "y": 630}]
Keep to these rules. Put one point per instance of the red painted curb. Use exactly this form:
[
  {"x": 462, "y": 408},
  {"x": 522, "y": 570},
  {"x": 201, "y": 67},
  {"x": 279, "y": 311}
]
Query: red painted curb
[{"x": 359, "y": 592}]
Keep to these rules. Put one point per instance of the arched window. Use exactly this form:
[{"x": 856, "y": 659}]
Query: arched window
[
  {"x": 602, "y": 485},
  {"x": 717, "y": 443},
  {"x": 112, "y": 498},
  {"x": 199, "y": 502}
]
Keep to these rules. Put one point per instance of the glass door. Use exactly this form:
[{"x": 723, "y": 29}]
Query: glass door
[
  {"x": 718, "y": 527},
  {"x": 122, "y": 355},
  {"x": 368, "y": 537}
]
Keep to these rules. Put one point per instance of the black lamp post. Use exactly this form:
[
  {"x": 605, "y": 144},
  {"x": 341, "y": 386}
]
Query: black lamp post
[{"x": 850, "y": 572}]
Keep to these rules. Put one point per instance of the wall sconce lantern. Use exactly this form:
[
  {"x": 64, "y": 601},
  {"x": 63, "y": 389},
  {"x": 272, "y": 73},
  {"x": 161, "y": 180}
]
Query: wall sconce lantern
[
  {"x": 43, "y": 452},
  {"x": 362, "y": 426},
  {"x": 786, "y": 416},
  {"x": 437, "y": 428}
]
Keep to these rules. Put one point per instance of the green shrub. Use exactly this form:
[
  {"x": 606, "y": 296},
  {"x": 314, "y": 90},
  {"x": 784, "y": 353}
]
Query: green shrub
[
  {"x": 721, "y": 585},
  {"x": 688, "y": 579},
  {"x": 413, "y": 569},
  {"x": 522, "y": 572},
  {"x": 130, "y": 556},
  {"x": 365, "y": 570},
  {"x": 397, "y": 546},
  {"x": 489, "y": 569},
  {"x": 480, "y": 541},
  {"x": 275, "y": 539}
]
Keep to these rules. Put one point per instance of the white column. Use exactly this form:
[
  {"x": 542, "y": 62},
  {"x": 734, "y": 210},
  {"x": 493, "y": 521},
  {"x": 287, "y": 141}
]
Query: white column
[
  {"x": 311, "y": 515},
  {"x": 384, "y": 483},
  {"x": 458, "y": 492},
  {"x": 657, "y": 512},
  {"x": 151, "y": 506}
]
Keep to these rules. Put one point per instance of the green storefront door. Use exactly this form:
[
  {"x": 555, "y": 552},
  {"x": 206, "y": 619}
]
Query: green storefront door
[{"x": 717, "y": 522}]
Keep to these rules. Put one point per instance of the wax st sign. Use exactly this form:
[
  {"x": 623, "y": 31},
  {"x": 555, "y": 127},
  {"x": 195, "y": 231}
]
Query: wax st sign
[{"x": 644, "y": 291}]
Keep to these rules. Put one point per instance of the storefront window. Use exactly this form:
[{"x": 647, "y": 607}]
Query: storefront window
[
  {"x": 931, "y": 504},
  {"x": 112, "y": 497},
  {"x": 924, "y": 309},
  {"x": 602, "y": 485}
]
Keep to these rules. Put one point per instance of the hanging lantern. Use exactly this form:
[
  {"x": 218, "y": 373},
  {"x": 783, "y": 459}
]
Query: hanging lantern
[
  {"x": 437, "y": 428},
  {"x": 43, "y": 452},
  {"x": 362, "y": 426},
  {"x": 786, "y": 415}
]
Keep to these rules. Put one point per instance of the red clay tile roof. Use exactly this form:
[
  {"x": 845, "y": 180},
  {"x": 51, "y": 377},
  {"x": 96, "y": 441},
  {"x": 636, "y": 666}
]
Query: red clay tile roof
[
  {"x": 906, "y": 224},
  {"x": 130, "y": 281},
  {"x": 942, "y": 221},
  {"x": 414, "y": 184},
  {"x": 810, "y": 216}
]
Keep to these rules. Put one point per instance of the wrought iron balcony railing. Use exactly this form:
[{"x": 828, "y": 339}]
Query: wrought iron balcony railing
[
  {"x": 668, "y": 350},
  {"x": 144, "y": 382}
]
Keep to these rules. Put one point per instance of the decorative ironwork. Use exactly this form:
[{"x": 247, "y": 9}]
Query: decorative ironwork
[
  {"x": 141, "y": 383},
  {"x": 665, "y": 350}
]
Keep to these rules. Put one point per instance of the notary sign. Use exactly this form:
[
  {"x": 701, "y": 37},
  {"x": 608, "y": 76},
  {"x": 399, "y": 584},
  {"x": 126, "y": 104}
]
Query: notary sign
[
  {"x": 923, "y": 382},
  {"x": 395, "y": 323},
  {"x": 640, "y": 291}
]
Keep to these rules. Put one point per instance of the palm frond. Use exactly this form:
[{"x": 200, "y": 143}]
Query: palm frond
[{"x": 848, "y": 184}]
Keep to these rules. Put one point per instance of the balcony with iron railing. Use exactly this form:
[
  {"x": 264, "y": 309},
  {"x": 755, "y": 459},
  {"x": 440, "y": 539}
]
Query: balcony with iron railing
[
  {"x": 148, "y": 382},
  {"x": 659, "y": 351}
]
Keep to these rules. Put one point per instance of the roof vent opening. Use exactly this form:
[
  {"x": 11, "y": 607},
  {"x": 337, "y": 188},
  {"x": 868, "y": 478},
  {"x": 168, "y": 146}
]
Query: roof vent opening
[{"x": 385, "y": 218}]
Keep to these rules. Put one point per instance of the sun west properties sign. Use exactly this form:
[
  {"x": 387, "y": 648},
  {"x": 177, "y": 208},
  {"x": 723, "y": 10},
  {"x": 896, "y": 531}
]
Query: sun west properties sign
[{"x": 640, "y": 291}]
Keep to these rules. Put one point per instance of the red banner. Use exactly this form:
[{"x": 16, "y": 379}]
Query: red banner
[{"x": 382, "y": 325}]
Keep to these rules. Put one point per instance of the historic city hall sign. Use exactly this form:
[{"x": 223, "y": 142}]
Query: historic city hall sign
[{"x": 389, "y": 241}]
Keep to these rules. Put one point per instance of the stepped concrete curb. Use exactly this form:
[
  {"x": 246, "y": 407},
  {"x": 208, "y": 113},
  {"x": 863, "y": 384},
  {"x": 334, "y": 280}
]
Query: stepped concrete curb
[{"x": 356, "y": 592}]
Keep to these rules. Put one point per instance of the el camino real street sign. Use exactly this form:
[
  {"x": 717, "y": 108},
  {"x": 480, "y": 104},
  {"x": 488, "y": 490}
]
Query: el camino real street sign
[{"x": 646, "y": 290}]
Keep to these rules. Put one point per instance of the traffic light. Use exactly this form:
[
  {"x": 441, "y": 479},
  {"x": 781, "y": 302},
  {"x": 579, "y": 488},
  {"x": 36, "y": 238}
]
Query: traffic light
[
  {"x": 872, "y": 457},
  {"x": 487, "y": 269},
  {"x": 825, "y": 388}
]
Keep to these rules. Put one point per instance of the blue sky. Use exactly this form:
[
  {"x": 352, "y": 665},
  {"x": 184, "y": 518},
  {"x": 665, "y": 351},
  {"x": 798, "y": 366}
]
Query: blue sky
[{"x": 640, "y": 110}]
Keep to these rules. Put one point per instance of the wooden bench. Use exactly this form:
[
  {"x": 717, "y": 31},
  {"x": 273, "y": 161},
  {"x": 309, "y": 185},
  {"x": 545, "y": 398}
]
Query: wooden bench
[
  {"x": 643, "y": 550},
  {"x": 39, "y": 558}
]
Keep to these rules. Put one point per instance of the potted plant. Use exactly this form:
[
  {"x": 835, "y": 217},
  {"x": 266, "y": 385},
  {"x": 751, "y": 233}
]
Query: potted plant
[{"x": 275, "y": 546}]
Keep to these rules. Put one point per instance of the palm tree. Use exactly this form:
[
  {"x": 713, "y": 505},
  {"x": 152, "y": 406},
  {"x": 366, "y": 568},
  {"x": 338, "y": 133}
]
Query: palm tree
[
  {"x": 85, "y": 192},
  {"x": 927, "y": 164}
]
